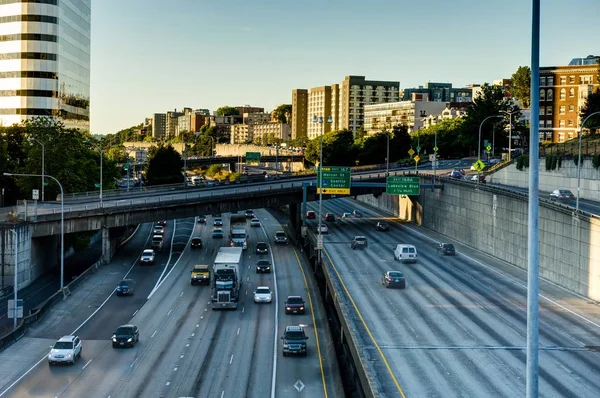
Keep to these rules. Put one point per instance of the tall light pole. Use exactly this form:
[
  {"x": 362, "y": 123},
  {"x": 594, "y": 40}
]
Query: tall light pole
[
  {"x": 479, "y": 143},
  {"x": 509, "y": 113},
  {"x": 579, "y": 161},
  {"x": 321, "y": 121},
  {"x": 101, "y": 157},
  {"x": 387, "y": 158},
  {"x": 43, "y": 163},
  {"x": 62, "y": 222},
  {"x": 16, "y": 270}
]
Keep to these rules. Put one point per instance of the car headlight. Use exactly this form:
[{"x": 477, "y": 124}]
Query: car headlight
[
  {"x": 114, "y": 339},
  {"x": 69, "y": 355},
  {"x": 288, "y": 308},
  {"x": 268, "y": 267},
  {"x": 285, "y": 346},
  {"x": 301, "y": 308},
  {"x": 129, "y": 340}
]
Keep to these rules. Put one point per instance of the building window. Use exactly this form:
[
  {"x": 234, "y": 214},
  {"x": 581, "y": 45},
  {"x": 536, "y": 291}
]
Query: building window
[
  {"x": 561, "y": 110},
  {"x": 551, "y": 80},
  {"x": 549, "y": 110},
  {"x": 541, "y": 123},
  {"x": 563, "y": 94},
  {"x": 542, "y": 108},
  {"x": 571, "y": 92},
  {"x": 549, "y": 94},
  {"x": 563, "y": 80},
  {"x": 561, "y": 123},
  {"x": 542, "y": 95},
  {"x": 542, "y": 81},
  {"x": 570, "y": 123},
  {"x": 571, "y": 108},
  {"x": 548, "y": 123},
  {"x": 572, "y": 79}
]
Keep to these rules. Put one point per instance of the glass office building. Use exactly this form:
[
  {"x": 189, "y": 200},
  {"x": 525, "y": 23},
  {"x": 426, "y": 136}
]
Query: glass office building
[{"x": 45, "y": 60}]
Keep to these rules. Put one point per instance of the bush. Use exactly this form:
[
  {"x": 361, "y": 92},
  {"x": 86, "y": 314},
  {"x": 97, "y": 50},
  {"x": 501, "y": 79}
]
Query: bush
[
  {"x": 559, "y": 162},
  {"x": 522, "y": 162},
  {"x": 549, "y": 162},
  {"x": 596, "y": 161},
  {"x": 576, "y": 160},
  {"x": 213, "y": 170}
]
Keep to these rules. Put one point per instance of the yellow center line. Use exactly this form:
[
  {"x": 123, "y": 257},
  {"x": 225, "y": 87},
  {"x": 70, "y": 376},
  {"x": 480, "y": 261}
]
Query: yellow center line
[
  {"x": 387, "y": 365},
  {"x": 314, "y": 323}
]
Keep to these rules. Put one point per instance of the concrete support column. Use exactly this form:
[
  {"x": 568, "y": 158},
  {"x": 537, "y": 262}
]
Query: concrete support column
[
  {"x": 295, "y": 221},
  {"x": 106, "y": 246}
]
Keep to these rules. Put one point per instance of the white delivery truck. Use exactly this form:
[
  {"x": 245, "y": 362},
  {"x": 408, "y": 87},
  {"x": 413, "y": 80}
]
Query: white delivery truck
[{"x": 226, "y": 279}]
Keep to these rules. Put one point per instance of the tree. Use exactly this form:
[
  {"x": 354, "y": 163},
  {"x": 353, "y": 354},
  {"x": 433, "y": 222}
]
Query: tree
[
  {"x": 592, "y": 105},
  {"x": 281, "y": 112},
  {"x": 452, "y": 139},
  {"x": 338, "y": 149},
  {"x": 164, "y": 166},
  {"x": 520, "y": 86},
  {"x": 227, "y": 111},
  {"x": 300, "y": 142}
]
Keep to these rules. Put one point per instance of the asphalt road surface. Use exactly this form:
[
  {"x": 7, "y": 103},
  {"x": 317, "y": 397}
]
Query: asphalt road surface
[
  {"x": 459, "y": 328},
  {"x": 185, "y": 348}
]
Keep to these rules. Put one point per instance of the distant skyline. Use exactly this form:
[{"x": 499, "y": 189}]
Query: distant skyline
[{"x": 150, "y": 56}]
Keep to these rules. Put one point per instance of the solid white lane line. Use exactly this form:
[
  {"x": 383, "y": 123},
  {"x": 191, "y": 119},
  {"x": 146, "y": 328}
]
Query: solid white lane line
[
  {"x": 169, "y": 313},
  {"x": 231, "y": 360},
  {"x": 86, "y": 364},
  {"x": 153, "y": 333},
  {"x": 136, "y": 311},
  {"x": 133, "y": 363}
]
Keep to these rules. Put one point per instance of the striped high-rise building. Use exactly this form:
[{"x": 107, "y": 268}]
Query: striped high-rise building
[{"x": 45, "y": 61}]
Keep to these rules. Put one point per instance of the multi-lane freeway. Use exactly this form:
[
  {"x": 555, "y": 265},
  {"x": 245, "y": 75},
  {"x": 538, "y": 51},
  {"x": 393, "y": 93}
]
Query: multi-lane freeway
[
  {"x": 459, "y": 328},
  {"x": 185, "y": 348}
]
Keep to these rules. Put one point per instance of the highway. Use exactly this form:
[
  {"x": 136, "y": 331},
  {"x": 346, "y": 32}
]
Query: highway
[
  {"x": 185, "y": 348},
  {"x": 459, "y": 328}
]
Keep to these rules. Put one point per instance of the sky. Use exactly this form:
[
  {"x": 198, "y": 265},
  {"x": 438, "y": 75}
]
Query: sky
[{"x": 151, "y": 56}]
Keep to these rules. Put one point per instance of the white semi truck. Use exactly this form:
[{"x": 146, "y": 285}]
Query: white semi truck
[
  {"x": 226, "y": 279},
  {"x": 238, "y": 237}
]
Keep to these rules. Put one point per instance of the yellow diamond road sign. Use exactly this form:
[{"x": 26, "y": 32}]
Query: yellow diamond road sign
[
  {"x": 417, "y": 158},
  {"x": 479, "y": 165},
  {"x": 411, "y": 152}
]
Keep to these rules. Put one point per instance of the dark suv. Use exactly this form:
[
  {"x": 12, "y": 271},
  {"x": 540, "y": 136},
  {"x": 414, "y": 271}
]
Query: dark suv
[
  {"x": 294, "y": 305},
  {"x": 294, "y": 341},
  {"x": 359, "y": 242},
  {"x": 446, "y": 249},
  {"x": 281, "y": 238},
  {"x": 382, "y": 226},
  {"x": 262, "y": 248}
]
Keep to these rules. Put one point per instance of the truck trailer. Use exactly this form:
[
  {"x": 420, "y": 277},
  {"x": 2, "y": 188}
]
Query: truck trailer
[
  {"x": 238, "y": 236},
  {"x": 226, "y": 279}
]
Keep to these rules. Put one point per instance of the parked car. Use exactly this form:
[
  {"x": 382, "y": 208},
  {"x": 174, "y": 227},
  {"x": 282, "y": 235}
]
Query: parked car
[
  {"x": 393, "y": 279},
  {"x": 217, "y": 233},
  {"x": 147, "y": 257},
  {"x": 263, "y": 266},
  {"x": 196, "y": 243},
  {"x": 263, "y": 294},
  {"x": 357, "y": 213},
  {"x": 281, "y": 238},
  {"x": 311, "y": 215},
  {"x": 329, "y": 217},
  {"x": 126, "y": 287},
  {"x": 255, "y": 222},
  {"x": 66, "y": 350},
  {"x": 125, "y": 336},
  {"x": 561, "y": 195},
  {"x": 201, "y": 220},
  {"x": 162, "y": 223},
  {"x": 158, "y": 230},
  {"x": 294, "y": 305},
  {"x": 359, "y": 242},
  {"x": 217, "y": 222},
  {"x": 382, "y": 226},
  {"x": 324, "y": 229},
  {"x": 294, "y": 340},
  {"x": 446, "y": 249},
  {"x": 262, "y": 248},
  {"x": 249, "y": 213}
]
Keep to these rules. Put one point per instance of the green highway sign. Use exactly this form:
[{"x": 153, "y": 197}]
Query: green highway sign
[
  {"x": 253, "y": 157},
  {"x": 336, "y": 180},
  {"x": 97, "y": 185},
  {"x": 403, "y": 185},
  {"x": 418, "y": 148}
]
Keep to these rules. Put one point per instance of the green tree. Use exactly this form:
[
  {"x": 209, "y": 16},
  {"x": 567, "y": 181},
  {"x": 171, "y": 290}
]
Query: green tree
[
  {"x": 300, "y": 142},
  {"x": 282, "y": 112},
  {"x": 227, "y": 111},
  {"x": 520, "y": 86},
  {"x": 12, "y": 156},
  {"x": 164, "y": 166},
  {"x": 338, "y": 149},
  {"x": 452, "y": 139},
  {"x": 592, "y": 105}
]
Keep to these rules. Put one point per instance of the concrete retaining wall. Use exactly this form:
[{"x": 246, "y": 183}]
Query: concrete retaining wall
[{"x": 563, "y": 178}]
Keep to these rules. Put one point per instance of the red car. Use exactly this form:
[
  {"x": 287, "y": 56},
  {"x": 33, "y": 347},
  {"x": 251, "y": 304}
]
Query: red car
[{"x": 311, "y": 215}]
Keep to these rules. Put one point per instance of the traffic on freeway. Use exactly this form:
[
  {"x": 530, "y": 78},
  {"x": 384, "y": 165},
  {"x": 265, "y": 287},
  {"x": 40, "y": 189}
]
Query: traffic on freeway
[
  {"x": 451, "y": 321},
  {"x": 168, "y": 339}
]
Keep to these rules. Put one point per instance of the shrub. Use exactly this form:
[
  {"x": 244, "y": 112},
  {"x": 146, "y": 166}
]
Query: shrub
[
  {"x": 576, "y": 159},
  {"x": 522, "y": 162},
  {"x": 213, "y": 170},
  {"x": 596, "y": 161}
]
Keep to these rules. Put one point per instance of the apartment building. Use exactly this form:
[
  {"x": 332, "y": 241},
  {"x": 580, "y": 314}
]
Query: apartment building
[
  {"x": 159, "y": 125},
  {"x": 563, "y": 92},
  {"x": 249, "y": 109},
  {"x": 319, "y": 104},
  {"x": 172, "y": 119},
  {"x": 266, "y": 132},
  {"x": 45, "y": 61},
  {"x": 411, "y": 113},
  {"x": 439, "y": 92},
  {"x": 256, "y": 118},
  {"x": 299, "y": 113},
  {"x": 241, "y": 133}
]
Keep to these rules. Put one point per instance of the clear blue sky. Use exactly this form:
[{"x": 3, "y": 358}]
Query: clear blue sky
[{"x": 155, "y": 55}]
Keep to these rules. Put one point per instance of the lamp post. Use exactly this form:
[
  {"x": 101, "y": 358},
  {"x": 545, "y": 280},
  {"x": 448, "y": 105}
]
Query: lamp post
[
  {"x": 479, "y": 143},
  {"x": 579, "y": 158},
  {"x": 62, "y": 222},
  {"x": 43, "y": 162},
  {"x": 16, "y": 282},
  {"x": 101, "y": 157},
  {"x": 320, "y": 120},
  {"x": 509, "y": 113},
  {"x": 387, "y": 158}
]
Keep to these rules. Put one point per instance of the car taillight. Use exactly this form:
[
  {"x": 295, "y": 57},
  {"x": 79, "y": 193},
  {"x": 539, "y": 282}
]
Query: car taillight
[{"x": 389, "y": 279}]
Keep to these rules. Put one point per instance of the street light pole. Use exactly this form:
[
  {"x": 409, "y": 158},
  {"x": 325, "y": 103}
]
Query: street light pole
[
  {"x": 62, "y": 222},
  {"x": 43, "y": 163},
  {"x": 579, "y": 161},
  {"x": 479, "y": 143},
  {"x": 387, "y": 158},
  {"x": 509, "y": 113},
  {"x": 320, "y": 120},
  {"x": 16, "y": 282}
]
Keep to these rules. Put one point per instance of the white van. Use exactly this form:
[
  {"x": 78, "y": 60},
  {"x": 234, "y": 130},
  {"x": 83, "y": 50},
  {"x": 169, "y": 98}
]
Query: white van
[{"x": 405, "y": 253}]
